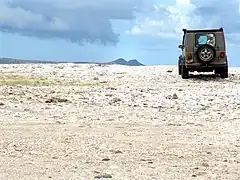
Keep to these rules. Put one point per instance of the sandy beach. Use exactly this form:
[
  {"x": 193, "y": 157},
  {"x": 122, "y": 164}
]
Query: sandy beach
[{"x": 83, "y": 122}]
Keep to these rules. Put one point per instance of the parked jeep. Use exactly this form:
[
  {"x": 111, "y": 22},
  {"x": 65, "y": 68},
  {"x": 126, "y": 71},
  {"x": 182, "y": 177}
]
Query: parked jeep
[{"x": 203, "y": 51}]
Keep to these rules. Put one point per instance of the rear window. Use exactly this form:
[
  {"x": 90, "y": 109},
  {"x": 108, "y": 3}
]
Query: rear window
[{"x": 208, "y": 38}]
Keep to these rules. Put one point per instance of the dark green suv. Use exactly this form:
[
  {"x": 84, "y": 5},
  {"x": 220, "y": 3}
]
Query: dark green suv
[{"x": 203, "y": 51}]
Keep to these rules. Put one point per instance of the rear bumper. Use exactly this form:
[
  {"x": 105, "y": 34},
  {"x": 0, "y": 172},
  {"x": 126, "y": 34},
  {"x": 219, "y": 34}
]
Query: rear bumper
[{"x": 202, "y": 67}]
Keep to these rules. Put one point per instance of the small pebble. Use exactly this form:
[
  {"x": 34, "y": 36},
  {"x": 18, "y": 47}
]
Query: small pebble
[
  {"x": 103, "y": 176},
  {"x": 105, "y": 159}
]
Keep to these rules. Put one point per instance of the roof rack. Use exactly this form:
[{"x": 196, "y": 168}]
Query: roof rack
[{"x": 202, "y": 30}]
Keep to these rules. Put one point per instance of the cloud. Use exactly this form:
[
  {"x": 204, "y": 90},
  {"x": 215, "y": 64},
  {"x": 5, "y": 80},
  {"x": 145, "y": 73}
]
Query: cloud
[
  {"x": 168, "y": 21},
  {"x": 76, "y": 21},
  {"x": 90, "y": 21}
]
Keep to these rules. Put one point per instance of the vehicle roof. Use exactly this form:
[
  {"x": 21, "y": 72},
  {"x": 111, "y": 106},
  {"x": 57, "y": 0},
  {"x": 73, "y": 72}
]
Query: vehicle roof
[{"x": 202, "y": 30}]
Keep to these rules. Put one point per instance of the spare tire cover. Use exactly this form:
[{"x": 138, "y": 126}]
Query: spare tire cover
[{"x": 206, "y": 53}]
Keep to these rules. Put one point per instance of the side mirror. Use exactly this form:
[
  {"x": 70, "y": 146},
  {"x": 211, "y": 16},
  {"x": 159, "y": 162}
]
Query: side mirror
[{"x": 180, "y": 46}]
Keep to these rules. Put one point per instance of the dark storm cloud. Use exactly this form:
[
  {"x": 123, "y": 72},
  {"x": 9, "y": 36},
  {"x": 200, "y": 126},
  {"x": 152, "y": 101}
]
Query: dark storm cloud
[{"x": 76, "y": 21}]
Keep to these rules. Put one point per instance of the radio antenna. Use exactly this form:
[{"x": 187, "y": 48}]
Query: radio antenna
[{"x": 221, "y": 22}]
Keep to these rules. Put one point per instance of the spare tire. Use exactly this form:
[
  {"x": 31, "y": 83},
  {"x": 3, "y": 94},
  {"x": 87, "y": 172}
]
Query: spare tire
[{"x": 206, "y": 53}]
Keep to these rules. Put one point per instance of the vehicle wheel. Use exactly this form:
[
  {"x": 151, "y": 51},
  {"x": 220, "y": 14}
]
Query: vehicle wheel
[
  {"x": 179, "y": 65},
  {"x": 184, "y": 72},
  {"x": 179, "y": 70},
  {"x": 206, "y": 53},
  {"x": 216, "y": 72},
  {"x": 224, "y": 73}
]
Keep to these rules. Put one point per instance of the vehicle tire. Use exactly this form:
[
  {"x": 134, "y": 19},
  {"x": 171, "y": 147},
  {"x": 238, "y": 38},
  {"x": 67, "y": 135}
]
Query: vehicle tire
[
  {"x": 217, "y": 71},
  {"x": 206, "y": 53},
  {"x": 179, "y": 70},
  {"x": 184, "y": 72},
  {"x": 179, "y": 65},
  {"x": 224, "y": 72}
]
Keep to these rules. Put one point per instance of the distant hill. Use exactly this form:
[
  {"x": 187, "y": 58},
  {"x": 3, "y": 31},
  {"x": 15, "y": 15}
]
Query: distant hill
[
  {"x": 21, "y": 61},
  {"x": 119, "y": 61}
]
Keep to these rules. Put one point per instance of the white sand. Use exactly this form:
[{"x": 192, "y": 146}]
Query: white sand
[{"x": 130, "y": 118}]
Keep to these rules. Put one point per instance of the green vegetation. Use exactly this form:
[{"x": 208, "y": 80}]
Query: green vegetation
[
  {"x": 11, "y": 79},
  {"x": 85, "y": 84}
]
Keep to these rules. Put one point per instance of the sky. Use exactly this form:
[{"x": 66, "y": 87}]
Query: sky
[{"x": 104, "y": 30}]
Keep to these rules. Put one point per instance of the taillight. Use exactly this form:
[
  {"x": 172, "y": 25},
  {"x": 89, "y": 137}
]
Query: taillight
[
  {"x": 222, "y": 54},
  {"x": 189, "y": 56}
]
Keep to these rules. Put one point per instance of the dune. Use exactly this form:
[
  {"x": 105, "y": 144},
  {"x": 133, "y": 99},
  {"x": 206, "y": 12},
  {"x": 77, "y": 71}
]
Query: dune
[{"x": 84, "y": 121}]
